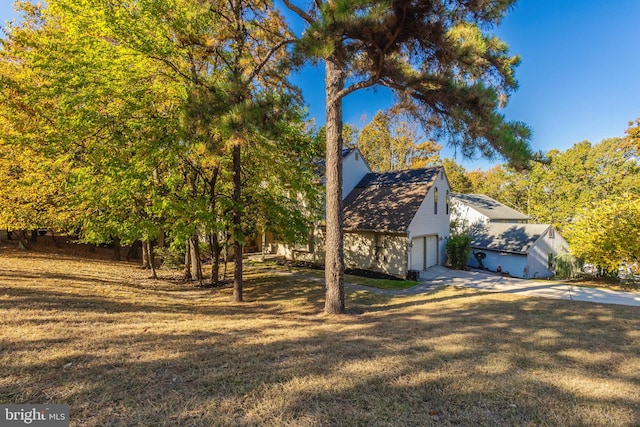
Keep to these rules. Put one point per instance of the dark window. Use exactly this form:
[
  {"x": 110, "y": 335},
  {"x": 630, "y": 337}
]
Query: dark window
[
  {"x": 447, "y": 201},
  {"x": 435, "y": 201}
]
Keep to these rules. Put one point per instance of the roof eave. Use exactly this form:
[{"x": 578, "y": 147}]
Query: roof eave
[
  {"x": 484, "y": 248},
  {"x": 370, "y": 230}
]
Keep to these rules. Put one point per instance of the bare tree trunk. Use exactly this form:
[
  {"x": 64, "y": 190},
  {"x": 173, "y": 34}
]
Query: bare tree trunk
[
  {"x": 196, "y": 264},
  {"x": 55, "y": 239},
  {"x": 226, "y": 255},
  {"x": 160, "y": 255},
  {"x": 151, "y": 258},
  {"x": 116, "y": 249},
  {"x": 145, "y": 255},
  {"x": 237, "y": 223},
  {"x": 187, "y": 261},
  {"x": 214, "y": 243},
  {"x": 334, "y": 261},
  {"x": 23, "y": 243},
  {"x": 134, "y": 250}
]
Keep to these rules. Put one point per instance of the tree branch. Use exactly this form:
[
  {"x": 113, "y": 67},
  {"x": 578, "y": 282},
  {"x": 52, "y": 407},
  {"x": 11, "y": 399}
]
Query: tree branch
[
  {"x": 301, "y": 13},
  {"x": 354, "y": 87},
  {"x": 260, "y": 66}
]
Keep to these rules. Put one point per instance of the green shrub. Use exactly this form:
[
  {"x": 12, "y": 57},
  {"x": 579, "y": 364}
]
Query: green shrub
[
  {"x": 566, "y": 266},
  {"x": 458, "y": 250}
]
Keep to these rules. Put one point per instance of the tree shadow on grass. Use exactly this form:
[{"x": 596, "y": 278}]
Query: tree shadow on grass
[
  {"x": 191, "y": 358},
  {"x": 521, "y": 362}
]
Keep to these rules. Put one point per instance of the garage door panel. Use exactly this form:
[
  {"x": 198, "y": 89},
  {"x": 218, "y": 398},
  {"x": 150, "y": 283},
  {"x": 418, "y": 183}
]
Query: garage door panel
[
  {"x": 417, "y": 254},
  {"x": 432, "y": 251}
]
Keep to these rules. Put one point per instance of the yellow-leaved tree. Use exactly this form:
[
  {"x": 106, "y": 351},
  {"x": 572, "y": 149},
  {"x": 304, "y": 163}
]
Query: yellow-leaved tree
[{"x": 608, "y": 232}]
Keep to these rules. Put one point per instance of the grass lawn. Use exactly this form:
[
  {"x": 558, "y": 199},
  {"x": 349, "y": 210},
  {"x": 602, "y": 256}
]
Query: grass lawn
[
  {"x": 350, "y": 278},
  {"x": 125, "y": 350}
]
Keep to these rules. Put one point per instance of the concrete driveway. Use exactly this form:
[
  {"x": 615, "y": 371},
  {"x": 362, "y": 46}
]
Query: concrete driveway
[{"x": 488, "y": 282}]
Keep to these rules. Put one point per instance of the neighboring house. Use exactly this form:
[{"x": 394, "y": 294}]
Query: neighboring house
[
  {"x": 473, "y": 210},
  {"x": 502, "y": 240},
  {"x": 393, "y": 222}
]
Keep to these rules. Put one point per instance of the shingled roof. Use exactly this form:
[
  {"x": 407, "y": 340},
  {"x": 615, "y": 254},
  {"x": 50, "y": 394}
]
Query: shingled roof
[
  {"x": 388, "y": 201},
  {"x": 504, "y": 237},
  {"x": 490, "y": 208}
]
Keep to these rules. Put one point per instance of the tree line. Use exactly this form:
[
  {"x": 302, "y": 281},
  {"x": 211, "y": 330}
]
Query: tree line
[
  {"x": 171, "y": 120},
  {"x": 154, "y": 121}
]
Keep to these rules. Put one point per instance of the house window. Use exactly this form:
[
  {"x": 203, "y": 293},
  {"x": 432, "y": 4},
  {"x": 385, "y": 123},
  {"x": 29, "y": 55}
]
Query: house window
[
  {"x": 447, "y": 202},
  {"x": 435, "y": 201},
  {"x": 552, "y": 233}
]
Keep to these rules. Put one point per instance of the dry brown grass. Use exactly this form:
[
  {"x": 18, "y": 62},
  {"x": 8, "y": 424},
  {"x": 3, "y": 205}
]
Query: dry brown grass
[{"x": 122, "y": 349}]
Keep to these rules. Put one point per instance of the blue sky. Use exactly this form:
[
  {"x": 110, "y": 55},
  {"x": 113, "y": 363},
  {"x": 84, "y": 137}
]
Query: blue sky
[{"x": 579, "y": 77}]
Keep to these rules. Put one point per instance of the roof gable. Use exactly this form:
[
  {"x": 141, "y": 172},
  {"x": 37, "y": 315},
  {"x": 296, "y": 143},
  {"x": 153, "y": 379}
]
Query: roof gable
[
  {"x": 504, "y": 237},
  {"x": 490, "y": 208},
  {"x": 387, "y": 201}
]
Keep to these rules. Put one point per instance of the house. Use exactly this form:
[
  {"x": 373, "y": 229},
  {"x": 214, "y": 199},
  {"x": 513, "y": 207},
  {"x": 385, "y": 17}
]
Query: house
[
  {"x": 394, "y": 222},
  {"x": 473, "y": 210},
  {"x": 502, "y": 238}
]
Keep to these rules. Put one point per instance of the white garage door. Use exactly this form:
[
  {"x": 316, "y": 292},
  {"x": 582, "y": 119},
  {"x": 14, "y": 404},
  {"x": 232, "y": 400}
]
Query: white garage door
[
  {"x": 432, "y": 251},
  {"x": 417, "y": 254},
  {"x": 424, "y": 252}
]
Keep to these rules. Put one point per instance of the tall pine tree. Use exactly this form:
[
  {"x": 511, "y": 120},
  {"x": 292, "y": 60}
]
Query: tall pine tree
[{"x": 434, "y": 55}]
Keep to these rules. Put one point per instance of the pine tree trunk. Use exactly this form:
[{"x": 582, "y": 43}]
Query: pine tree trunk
[
  {"x": 214, "y": 239},
  {"x": 237, "y": 224},
  {"x": 334, "y": 261}
]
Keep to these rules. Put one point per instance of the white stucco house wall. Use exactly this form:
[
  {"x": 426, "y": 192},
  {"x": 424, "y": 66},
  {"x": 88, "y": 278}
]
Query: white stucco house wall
[{"x": 503, "y": 240}]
